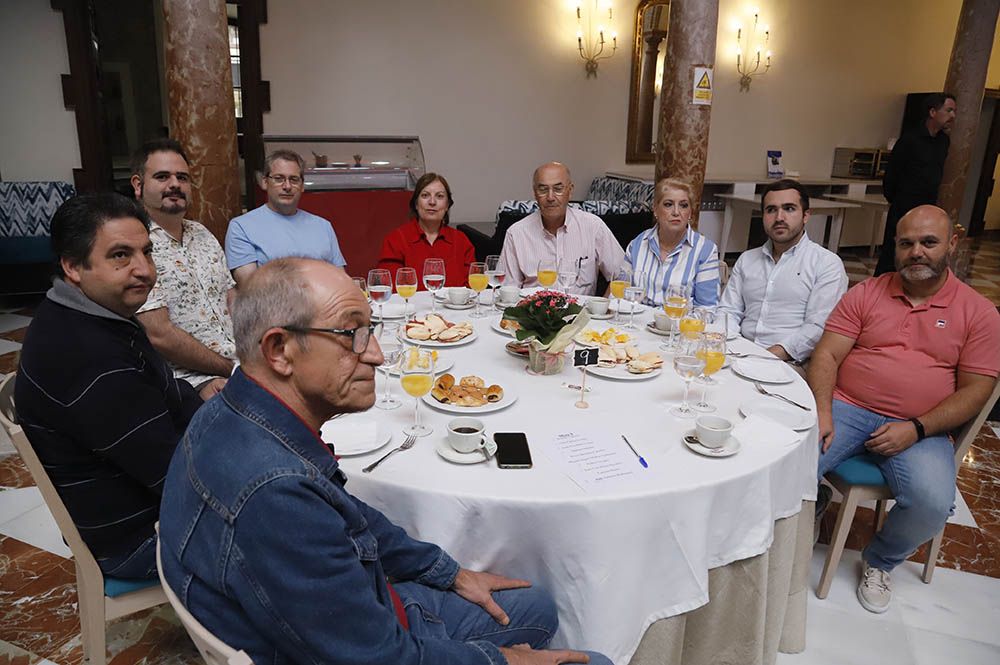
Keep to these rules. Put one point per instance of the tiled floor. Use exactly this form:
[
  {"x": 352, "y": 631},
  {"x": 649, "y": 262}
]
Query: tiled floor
[{"x": 952, "y": 620}]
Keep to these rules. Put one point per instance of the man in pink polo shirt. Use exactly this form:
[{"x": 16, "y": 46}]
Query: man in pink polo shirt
[{"x": 905, "y": 358}]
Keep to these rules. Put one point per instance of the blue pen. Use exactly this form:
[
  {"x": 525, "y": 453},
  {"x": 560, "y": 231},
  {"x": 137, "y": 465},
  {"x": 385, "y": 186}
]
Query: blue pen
[{"x": 641, "y": 461}]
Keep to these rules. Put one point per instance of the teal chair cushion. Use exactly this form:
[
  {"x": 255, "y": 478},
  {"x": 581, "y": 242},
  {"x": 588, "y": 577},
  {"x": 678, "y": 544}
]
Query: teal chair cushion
[
  {"x": 860, "y": 470},
  {"x": 117, "y": 586}
]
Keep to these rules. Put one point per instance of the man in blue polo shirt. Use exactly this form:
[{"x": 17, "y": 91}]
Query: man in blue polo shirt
[{"x": 278, "y": 228}]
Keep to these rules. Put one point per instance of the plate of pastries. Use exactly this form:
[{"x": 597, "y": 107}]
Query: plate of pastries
[
  {"x": 434, "y": 330},
  {"x": 625, "y": 362},
  {"x": 468, "y": 394}
]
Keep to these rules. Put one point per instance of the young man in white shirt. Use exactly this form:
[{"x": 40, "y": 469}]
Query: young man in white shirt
[{"x": 781, "y": 293}]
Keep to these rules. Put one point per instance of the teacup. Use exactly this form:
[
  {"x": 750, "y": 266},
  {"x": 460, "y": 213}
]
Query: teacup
[
  {"x": 713, "y": 431},
  {"x": 663, "y": 322},
  {"x": 508, "y": 294},
  {"x": 465, "y": 435},
  {"x": 598, "y": 306},
  {"x": 458, "y": 295}
]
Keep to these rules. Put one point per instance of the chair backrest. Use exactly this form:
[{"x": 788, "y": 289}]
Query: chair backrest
[
  {"x": 967, "y": 433},
  {"x": 211, "y": 648},
  {"x": 8, "y": 418}
]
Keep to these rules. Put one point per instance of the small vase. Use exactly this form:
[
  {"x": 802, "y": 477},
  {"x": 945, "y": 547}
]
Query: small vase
[{"x": 542, "y": 362}]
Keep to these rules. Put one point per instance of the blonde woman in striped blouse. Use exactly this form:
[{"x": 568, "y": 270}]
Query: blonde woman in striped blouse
[{"x": 671, "y": 252}]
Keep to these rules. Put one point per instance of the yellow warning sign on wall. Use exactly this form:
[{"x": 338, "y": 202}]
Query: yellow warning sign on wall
[{"x": 702, "y": 93}]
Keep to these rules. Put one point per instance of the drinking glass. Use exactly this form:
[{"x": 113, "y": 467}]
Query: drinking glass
[
  {"x": 676, "y": 306},
  {"x": 392, "y": 351},
  {"x": 633, "y": 295},
  {"x": 547, "y": 273},
  {"x": 417, "y": 379},
  {"x": 622, "y": 280},
  {"x": 363, "y": 285},
  {"x": 379, "y": 287},
  {"x": 688, "y": 365},
  {"x": 478, "y": 280},
  {"x": 496, "y": 273},
  {"x": 434, "y": 277},
  {"x": 694, "y": 321},
  {"x": 565, "y": 277},
  {"x": 406, "y": 286},
  {"x": 711, "y": 349}
]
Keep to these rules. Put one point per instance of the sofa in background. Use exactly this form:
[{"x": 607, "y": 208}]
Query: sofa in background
[{"x": 26, "y": 210}]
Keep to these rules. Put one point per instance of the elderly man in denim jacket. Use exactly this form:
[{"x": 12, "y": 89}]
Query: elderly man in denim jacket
[{"x": 267, "y": 549}]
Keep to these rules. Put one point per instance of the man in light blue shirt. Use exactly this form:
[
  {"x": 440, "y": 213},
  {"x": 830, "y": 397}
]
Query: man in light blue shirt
[
  {"x": 781, "y": 293},
  {"x": 278, "y": 228}
]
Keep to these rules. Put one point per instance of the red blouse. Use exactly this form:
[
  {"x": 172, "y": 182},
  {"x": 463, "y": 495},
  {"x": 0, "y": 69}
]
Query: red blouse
[{"x": 407, "y": 246}]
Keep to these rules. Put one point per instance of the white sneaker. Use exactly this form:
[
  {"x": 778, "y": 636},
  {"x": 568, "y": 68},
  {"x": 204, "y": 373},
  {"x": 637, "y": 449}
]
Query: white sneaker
[{"x": 875, "y": 589}]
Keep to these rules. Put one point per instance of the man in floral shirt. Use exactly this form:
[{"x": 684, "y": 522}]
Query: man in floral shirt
[{"x": 186, "y": 315}]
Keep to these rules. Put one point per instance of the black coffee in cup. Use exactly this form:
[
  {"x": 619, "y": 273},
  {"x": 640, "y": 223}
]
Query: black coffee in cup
[{"x": 465, "y": 430}]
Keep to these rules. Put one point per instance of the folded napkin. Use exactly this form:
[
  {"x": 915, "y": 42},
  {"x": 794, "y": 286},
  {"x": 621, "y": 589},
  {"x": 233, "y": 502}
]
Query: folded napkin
[
  {"x": 758, "y": 429},
  {"x": 390, "y": 310},
  {"x": 350, "y": 435}
]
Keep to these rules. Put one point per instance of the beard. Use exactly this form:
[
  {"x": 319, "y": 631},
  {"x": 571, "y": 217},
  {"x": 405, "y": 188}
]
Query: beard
[{"x": 923, "y": 271}]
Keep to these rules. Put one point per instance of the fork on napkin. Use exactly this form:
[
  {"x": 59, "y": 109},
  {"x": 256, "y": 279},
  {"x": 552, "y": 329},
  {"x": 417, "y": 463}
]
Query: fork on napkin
[{"x": 758, "y": 429}]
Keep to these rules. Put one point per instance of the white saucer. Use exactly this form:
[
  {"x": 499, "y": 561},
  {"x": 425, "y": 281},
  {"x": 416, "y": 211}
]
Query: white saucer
[
  {"x": 728, "y": 449},
  {"x": 602, "y": 317},
  {"x": 444, "y": 450},
  {"x": 651, "y": 327},
  {"x": 468, "y": 305}
]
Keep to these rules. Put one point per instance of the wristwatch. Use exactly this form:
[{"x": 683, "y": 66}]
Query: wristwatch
[{"x": 919, "y": 427}]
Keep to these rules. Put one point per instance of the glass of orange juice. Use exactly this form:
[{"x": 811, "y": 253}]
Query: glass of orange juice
[
  {"x": 694, "y": 321},
  {"x": 622, "y": 280},
  {"x": 676, "y": 305},
  {"x": 417, "y": 377},
  {"x": 547, "y": 273},
  {"x": 478, "y": 281},
  {"x": 711, "y": 349},
  {"x": 406, "y": 286}
]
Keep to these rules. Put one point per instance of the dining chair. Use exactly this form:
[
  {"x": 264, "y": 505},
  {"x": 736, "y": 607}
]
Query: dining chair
[
  {"x": 859, "y": 479},
  {"x": 100, "y": 598},
  {"x": 211, "y": 648}
]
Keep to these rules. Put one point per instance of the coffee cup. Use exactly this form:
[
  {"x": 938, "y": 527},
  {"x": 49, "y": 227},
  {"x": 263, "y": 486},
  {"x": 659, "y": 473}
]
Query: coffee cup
[
  {"x": 713, "y": 431},
  {"x": 508, "y": 294},
  {"x": 663, "y": 322},
  {"x": 465, "y": 435},
  {"x": 598, "y": 306},
  {"x": 458, "y": 295}
]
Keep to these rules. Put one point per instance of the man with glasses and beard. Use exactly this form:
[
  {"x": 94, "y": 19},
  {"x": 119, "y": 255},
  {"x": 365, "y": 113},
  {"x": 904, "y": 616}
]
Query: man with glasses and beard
[
  {"x": 905, "y": 358},
  {"x": 186, "y": 315}
]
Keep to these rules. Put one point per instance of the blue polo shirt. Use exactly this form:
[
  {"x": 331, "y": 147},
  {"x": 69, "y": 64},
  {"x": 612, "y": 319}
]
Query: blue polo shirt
[{"x": 263, "y": 234}]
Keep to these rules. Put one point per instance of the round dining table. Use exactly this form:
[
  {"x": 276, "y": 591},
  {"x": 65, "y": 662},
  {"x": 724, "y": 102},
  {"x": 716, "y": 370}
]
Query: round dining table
[{"x": 617, "y": 558}]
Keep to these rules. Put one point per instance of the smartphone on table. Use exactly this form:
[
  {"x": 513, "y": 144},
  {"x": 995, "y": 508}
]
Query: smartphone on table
[{"x": 512, "y": 450}]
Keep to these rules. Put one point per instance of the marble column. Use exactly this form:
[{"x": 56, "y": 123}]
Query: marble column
[
  {"x": 682, "y": 140},
  {"x": 202, "y": 110},
  {"x": 970, "y": 58}
]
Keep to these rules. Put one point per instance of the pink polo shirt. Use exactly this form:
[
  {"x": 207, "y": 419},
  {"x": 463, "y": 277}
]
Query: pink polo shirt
[{"x": 904, "y": 358}]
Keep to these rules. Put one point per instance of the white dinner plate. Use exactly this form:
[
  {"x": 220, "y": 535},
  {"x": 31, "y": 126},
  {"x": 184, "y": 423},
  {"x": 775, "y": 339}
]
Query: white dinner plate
[
  {"x": 779, "y": 412},
  {"x": 440, "y": 367},
  {"x": 490, "y": 407},
  {"x": 651, "y": 327},
  {"x": 495, "y": 325},
  {"x": 355, "y": 435},
  {"x": 434, "y": 344},
  {"x": 444, "y": 450},
  {"x": 728, "y": 449},
  {"x": 601, "y": 330},
  {"x": 522, "y": 356},
  {"x": 621, "y": 373},
  {"x": 765, "y": 371}
]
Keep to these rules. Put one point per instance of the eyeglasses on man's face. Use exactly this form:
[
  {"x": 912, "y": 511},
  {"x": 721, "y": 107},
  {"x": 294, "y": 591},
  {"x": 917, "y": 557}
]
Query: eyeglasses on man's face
[
  {"x": 557, "y": 190},
  {"x": 280, "y": 180},
  {"x": 360, "y": 336}
]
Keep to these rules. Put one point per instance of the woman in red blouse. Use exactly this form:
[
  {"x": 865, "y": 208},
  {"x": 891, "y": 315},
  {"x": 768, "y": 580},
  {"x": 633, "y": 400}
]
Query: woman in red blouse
[{"x": 428, "y": 235}]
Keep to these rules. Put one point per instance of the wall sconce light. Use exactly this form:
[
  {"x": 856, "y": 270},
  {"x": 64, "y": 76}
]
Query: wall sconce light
[
  {"x": 748, "y": 52},
  {"x": 590, "y": 44}
]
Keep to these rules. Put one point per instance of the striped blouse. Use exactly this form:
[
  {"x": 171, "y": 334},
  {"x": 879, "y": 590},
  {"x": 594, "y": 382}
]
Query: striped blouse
[{"x": 694, "y": 262}]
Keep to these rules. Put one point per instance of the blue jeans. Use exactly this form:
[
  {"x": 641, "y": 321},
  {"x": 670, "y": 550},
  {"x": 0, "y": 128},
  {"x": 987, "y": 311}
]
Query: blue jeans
[
  {"x": 922, "y": 480},
  {"x": 138, "y": 564},
  {"x": 444, "y": 615}
]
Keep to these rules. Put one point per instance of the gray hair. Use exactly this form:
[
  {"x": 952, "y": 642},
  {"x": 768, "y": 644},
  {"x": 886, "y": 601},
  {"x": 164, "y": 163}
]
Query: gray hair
[
  {"x": 277, "y": 294},
  {"x": 286, "y": 155}
]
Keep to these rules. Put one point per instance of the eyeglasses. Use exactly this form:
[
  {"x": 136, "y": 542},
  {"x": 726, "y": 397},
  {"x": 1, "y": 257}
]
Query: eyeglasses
[
  {"x": 360, "y": 336},
  {"x": 280, "y": 180},
  {"x": 543, "y": 190}
]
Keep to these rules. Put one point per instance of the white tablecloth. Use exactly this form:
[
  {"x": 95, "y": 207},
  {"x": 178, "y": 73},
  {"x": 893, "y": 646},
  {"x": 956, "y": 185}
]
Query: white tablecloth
[{"x": 614, "y": 563}]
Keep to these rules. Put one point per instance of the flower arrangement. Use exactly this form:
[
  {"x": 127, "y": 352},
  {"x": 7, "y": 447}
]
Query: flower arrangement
[{"x": 550, "y": 318}]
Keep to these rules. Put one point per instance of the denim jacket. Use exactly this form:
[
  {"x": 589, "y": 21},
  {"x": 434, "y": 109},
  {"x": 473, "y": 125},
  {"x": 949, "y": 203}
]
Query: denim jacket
[{"x": 265, "y": 547}]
